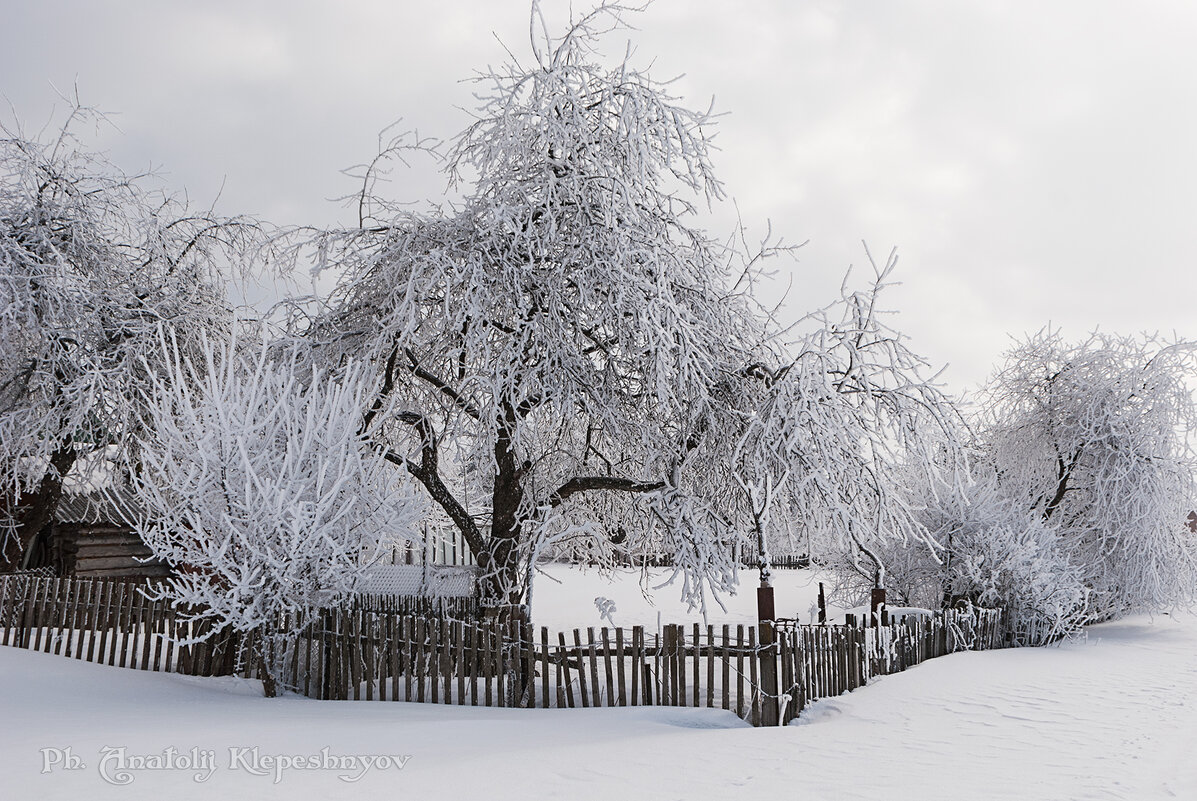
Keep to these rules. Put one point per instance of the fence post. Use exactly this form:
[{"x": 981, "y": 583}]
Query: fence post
[
  {"x": 767, "y": 654},
  {"x": 877, "y": 602}
]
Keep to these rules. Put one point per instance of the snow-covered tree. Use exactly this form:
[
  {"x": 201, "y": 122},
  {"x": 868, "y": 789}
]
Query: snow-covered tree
[
  {"x": 838, "y": 418},
  {"x": 563, "y": 334},
  {"x": 1092, "y": 438},
  {"x": 565, "y": 357},
  {"x": 982, "y": 548},
  {"x": 92, "y": 263},
  {"x": 256, "y": 484}
]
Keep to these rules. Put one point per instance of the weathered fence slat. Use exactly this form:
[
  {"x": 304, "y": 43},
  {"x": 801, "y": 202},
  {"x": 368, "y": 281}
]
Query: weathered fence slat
[
  {"x": 752, "y": 668},
  {"x": 637, "y": 662},
  {"x": 607, "y": 668},
  {"x": 459, "y": 643},
  {"x": 740, "y": 670},
  {"x": 581, "y": 662},
  {"x": 620, "y": 656},
  {"x": 596, "y": 697},
  {"x": 726, "y": 658}
]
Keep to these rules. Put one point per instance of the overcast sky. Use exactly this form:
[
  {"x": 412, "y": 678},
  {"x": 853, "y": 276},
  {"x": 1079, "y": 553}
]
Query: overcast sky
[{"x": 1032, "y": 162}]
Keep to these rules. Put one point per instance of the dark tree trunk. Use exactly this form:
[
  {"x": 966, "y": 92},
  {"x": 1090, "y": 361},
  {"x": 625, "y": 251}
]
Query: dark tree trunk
[
  {"x": 35, "y": 511},
  {"x": 500, "y": 566},
  {"x": 1063, "y": 474},
  {"x": 269, "y": 684}
]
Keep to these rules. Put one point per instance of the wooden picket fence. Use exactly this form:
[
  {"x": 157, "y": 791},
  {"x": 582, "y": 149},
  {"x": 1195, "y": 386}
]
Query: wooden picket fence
[
  {"x": 381, "y": 656},
  {"x": 823, "y": 661},
  {"x": 110, "y": 623},
  {"x": 374, "y": 651}
]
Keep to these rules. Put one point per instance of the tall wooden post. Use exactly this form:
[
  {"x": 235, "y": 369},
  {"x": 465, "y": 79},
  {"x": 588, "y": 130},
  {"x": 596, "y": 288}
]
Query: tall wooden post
[
  {"x": 768, "y": 655},
  {"x": 876, "y": 602}
]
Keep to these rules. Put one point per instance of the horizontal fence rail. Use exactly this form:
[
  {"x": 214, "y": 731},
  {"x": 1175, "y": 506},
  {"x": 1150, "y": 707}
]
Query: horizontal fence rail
[{"x": 439, "y": 651}]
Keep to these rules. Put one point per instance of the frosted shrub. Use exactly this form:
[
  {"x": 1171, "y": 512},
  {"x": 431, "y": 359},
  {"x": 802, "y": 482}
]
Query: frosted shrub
[
  {"x": 259, "y": 489},
  {"x": 982, "y": 549}
]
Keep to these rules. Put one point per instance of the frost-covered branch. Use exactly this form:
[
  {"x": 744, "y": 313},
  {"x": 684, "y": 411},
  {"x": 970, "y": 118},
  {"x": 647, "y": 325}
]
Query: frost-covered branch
[
  {"x": 259, "y": 490},
  {"x": 93, "y": 262}
]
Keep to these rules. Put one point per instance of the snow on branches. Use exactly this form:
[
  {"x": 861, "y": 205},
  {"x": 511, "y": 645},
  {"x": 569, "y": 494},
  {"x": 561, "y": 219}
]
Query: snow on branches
[
  {"x": 258, "y": 487},
  {"x": 837, "y": 419},
  {"x": 1093, "y": 437},
  {"x": 564, "y": 359},
  {"x": 92, "y": 263}
]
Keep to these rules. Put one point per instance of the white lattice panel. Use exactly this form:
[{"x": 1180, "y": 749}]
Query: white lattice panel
[{"x": 438, "y": 581}]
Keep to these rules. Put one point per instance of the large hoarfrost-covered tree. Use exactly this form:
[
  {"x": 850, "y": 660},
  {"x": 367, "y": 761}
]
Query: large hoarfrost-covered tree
[
  {"x": 92, "y": 263},
  {"x": 256, "y": 484},
  {"x": 1093, "y": 438},
  {"x": 562, "y": 334},
  {"x": 564, "y": 356}
]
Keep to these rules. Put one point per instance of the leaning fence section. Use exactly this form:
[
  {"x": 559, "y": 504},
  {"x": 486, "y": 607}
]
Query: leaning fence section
[{"x": 377, "y": 649}]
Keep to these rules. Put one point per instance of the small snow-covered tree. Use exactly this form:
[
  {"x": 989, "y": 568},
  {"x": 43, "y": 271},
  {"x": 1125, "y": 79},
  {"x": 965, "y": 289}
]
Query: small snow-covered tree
[
  {"x": 92, "y": 263},
  {"x": 839, "y": 417},
  {"x": 986, "y": 549},
  {"x": 257, "y": 486},
  {"x": 1093, "y": 438}
]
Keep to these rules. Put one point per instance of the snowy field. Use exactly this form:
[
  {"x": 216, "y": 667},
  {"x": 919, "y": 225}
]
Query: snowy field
[
  {"x": 564, "y": 598},
  {"x": 1114, "y": 717}
]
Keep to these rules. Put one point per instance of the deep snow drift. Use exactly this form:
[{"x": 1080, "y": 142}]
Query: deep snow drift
[{"x": 1114, "y": 717}]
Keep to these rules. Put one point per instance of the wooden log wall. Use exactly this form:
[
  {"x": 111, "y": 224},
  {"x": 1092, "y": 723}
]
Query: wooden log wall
[{"x": 104, "y": 551}]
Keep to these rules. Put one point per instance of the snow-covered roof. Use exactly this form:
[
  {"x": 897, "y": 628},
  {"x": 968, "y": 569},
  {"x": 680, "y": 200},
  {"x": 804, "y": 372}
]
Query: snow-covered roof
[{"x": 112, "y": 505}]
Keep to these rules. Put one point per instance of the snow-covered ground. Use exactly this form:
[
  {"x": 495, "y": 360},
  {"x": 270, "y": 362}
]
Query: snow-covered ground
[
  {"x": 1114, "y": 717},
  {"x": 564, "y": 598}
]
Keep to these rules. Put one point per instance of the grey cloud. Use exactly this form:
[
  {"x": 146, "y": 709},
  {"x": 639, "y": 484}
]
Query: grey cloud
[{"x": 1032, "y": 162}]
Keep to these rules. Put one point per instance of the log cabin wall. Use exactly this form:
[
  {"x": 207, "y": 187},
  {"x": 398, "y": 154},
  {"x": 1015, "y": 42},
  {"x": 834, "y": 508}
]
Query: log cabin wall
[
  {"x": 85, "y": 542},
  {"x": 96, "y": 550}
]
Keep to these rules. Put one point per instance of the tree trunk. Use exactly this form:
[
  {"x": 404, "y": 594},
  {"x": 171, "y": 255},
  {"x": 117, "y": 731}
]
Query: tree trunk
[
  {"x": 269, "y": 685},
  {"x": 500, "y": 574},
  {"x": 35, "y": 511},
  {"x": 499, "y": 579}
]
